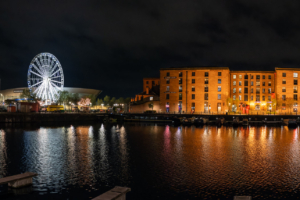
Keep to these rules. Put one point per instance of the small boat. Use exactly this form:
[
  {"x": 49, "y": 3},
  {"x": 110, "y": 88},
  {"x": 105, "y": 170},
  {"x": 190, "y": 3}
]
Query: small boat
[
  {"x": 236, "y": 122},
  {"x": 187, "y": 122},
  {"x": 198, "y": 121},
  {"x": 245, "y": 122},
  {"x": 292, "y": 123}
]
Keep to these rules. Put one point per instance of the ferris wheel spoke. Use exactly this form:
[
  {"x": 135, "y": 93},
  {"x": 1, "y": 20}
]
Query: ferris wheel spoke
[
  {"x": 37, "y": 69},
  {"x": 55, "y": 72},
  {"x": 55, "y": 86},
  {"x": 56, "y": 77},
  {"x": 33, "y": 79},
  {"x": 37, "y": 83},
  {"x": 35, "y": 73},
  {"x": 51, "y": 91},
  {"x": 55, "y": 81}
]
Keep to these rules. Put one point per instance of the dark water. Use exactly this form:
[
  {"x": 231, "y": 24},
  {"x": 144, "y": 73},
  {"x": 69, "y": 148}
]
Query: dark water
[{"x": 155, "y": 161}]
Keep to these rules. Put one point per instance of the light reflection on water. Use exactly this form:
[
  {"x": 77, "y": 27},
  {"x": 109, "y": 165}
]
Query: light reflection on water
[{"x": 156, "y": 161}]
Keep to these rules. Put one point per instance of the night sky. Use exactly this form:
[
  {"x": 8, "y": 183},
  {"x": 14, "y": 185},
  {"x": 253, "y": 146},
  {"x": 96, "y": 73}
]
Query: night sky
[{"x": 111, "y": 45}]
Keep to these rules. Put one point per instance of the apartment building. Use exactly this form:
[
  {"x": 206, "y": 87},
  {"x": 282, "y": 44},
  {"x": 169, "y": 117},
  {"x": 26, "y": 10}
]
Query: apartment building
[
  {"x": 287, "y": 92},
  {"x": 199, "y": 89},
  {"x": 252, "y": 88}
]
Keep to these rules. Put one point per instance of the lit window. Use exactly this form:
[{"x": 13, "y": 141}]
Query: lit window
[
  {"x": 206, "y": 96},
  {"x": 245, "y": 97},
  {"x": 219, "y": 88},
  {"x": 257, "y": 83},
  {"x": 283, "y": 97},
  {"x": 151, "y": 98},
  {"x": 233, "y": 97},
  {"x": 168, "y": 88},
  {"x": 251, "y": 98},
  {"x": 269, "y": 84},
  {"x": 180, "y": 81},
  {"x": 269, "y": 90},
  {"x": 295, "y": 89},
  {"x": 263, "y": 90},
  {"x": 234, "y": 76},
  {"x": 257, "y": 97},
  {"x": 240, "y": 90},
  {"x": 219, "y": 81},
  {"x": 240, "y": 83},
  {"x": 180, "y": 88},
  {"x": 219, "y": 96},
  {"x": 295, "y": 75},
  {"x": 193, "y": 88},
  {"x": 251, "y": 83},
  {"x": 234, "y": 82},
  {"x": 283, "y": 89},
  {"x": 240, "y": 97},
  {"x": 283, "y": 81},
  {"x": 206, "y": 81},
  {"x": 240, "y": 76},
  {"x": 180, "y": 96},
  {"x": 234, "y": 90},
  {"x": 269, "y": 98},
  {"x": 257, "y": 90}
]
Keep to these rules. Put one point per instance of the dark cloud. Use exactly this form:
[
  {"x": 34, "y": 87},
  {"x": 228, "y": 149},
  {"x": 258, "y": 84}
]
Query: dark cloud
[{"x": 112, "y": 45}]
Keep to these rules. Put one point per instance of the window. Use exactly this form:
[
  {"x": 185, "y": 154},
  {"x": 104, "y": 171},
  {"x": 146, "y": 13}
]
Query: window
[
  {"x": 180, "y": 96},
  {"x": 295, "y": 81},
  {"x": 193, "y": 73},
  {"x": 257, "y": 97},
  {"x": 251, "y": 76},
  {"x": 153, "y": 82},
  {"x": 206, "y": 74},
  {"x": 283, "y": 106},
  {"x": 283, "y": 81},
  {"x": 193, "y": 88},
  {"x": 180, "y": 88},
  {"x": 206, "y": 88},
  {"x": 240, "y": 90},
  {"x": 246, "y": 90},
  {"x": 257, "y": 90},
  {"x": 233, "y": 97},
  {"x": 219, "y": 88},
  {"x": 168, "y": 88},
  {"x": 295, "y": 97},
  {"x": 193, "y": 96},
  {"x": 240, "y": 76},
  {"x": 219, "y": 73},
  {"x": 206, "y": 96},
  {"x": 283, "y": 74},
  {"x": 219, "y": 81},
  {"x": 263, "y": 77},
  {"x": 147, "y": 82},
  {"x": 263, "y": 98},
  {"x": 251, "y": 83},
  {"x": 193, "y": 80},
  {"x": 269, "y": 76},
  {"x": 206, "y": 81},
  {"x": 283, "y": 98},
  {"x": 269, "y": 98},
  {"x": 251, "y": 98},
  {"x": 234, "y": 90},
  {"x": 257, "y": 76},
  {"x": 295, "y": 89},
  {"x": 168, "y": 73},
  {"x": 234, "y": 76},
  {"x": 234, "y": 82},
  {"x": 245, "y": 83},
  {"x": 251, "y": 90},
  {"x": 263, "y": 90},
  {"x": 240, "y": 83},
  {"x": 283, "y": 89},
  {"x": 269, "y": 84},
  {"x": 219, "y": 96},
  {"x": 257, "y": 83},
  {"x": 240, "y": 97},
  {"x": 295, "y": 75},
  {"x": 180, "y": 74},
  {"x": 269, "y": 90},
  {"x": 167, "y": 81},
  {"x": 180, "y": 81},
  {"x": 167, "y": 96},
  {"x": 263, "y": 84},
  {"x": 246, "y": 77},
  {"x": 245, "y": 97}
]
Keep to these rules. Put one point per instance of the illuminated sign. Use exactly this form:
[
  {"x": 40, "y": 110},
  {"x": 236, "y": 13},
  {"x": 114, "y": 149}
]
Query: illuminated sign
[
  {"x": 18, "y": 91},
  {"x": 169, "y": 77}
]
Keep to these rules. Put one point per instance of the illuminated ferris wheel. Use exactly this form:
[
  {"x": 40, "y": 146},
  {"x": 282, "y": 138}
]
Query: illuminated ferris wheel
[{"x": 45, "y": 77}]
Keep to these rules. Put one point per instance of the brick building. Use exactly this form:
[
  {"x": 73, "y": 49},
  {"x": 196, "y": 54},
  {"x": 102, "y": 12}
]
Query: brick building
[{"x": 219, "y": 90}]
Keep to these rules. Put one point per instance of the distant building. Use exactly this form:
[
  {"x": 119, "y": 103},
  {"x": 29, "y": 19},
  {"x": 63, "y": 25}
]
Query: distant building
[
  {"x": 15, "y": 93},
  {"x": 220, "y": 90}
]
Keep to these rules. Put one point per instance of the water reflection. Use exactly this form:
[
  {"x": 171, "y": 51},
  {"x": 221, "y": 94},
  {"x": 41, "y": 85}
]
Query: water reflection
[{"x": 160, "y": 161}]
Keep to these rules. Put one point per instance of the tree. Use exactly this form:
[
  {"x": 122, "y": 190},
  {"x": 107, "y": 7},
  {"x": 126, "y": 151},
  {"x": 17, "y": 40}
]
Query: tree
[
  {"x": 289, "y": 103},
  {"x": 229, "y": 103},
  {"x": 84, "y": 101},
  {"x": 28, "y": 95},
  {"x": 93, "y": 98},
  {"x": 74, "y": 98},
  {"x": 106, "y": 100},
  {"x": 99, "y": 102},
  {"x": 150, "y": 105},
  {"x": 112, "y": 101},
  {"x": 63, "y": 98}
]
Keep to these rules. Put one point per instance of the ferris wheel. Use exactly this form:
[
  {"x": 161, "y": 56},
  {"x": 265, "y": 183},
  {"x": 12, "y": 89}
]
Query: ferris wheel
[{"x": 45, "y": 77}]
